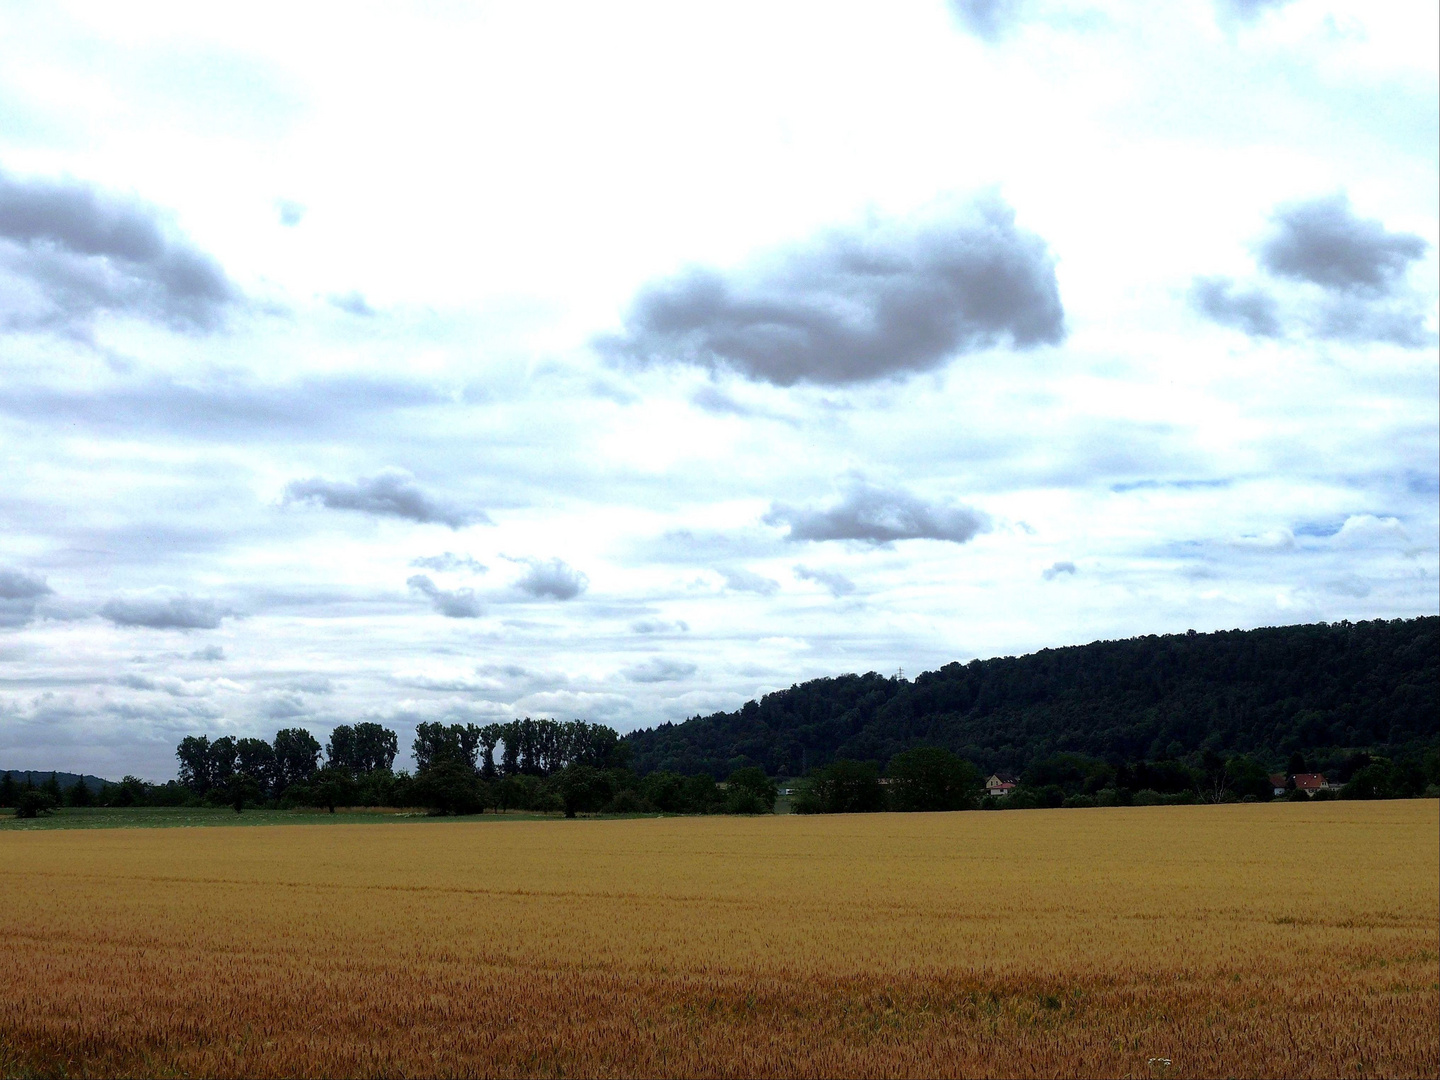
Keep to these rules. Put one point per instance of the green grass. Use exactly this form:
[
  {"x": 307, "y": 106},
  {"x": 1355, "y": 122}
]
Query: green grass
[{"x": 192, "y": 817}]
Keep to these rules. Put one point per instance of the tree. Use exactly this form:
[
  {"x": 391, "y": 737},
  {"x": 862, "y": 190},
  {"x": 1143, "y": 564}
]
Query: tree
[
  {"x": 929, "y": 778},
  {"x": 665, "y": 791},
  {"x": 584, "y": 789},
  {"x": 194, "y": 755},
  {"x": 334, "y": 786},
  {"x": 297, "y": 756},
  {"x": 33, "y": 802},
  {"x": 9, "y": 790},
  {"x": 52, "y": 788},
  {"x": 255, "y": 758},
  {"x": 448, "y": 786},
  {"x": 1247, "y": 777},
  {"x": 80, "y": 794},
  {"x": 750, "y": 791},
  {"x": 845, "y": 787},
  {"x": 375, "y": 747}
]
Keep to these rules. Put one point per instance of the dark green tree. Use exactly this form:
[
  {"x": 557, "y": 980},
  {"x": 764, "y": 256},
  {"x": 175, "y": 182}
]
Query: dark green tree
[
  {"x": 334, "y": 786},
  {"x": 844, "y": 787},
  {"x": 52, "y": 788},
  {"x": 255, "y": 758},
  {"x": 448, "y": 786},
  {"x": 80, "y": 794},
  {"x": 297, "y": 756},
  {"x": 32, "y": 802},
  {"x": 9, "y": 790},
  {"x": 194, "y": 755},
  {"x": 665, "y": 791},
  {"x": 585, "y": 789},
  {"x": 929, "y": 778},
  {"x": 750, "y": 791}
]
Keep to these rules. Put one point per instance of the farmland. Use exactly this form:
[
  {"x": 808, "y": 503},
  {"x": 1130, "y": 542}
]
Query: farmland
[{"x": 1281, "y": 940}]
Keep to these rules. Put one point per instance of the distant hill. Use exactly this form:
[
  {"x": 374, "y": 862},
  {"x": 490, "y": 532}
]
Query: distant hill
[
  {"x": 67, "y": 779},
  {"x": 1322, "y": 689}
]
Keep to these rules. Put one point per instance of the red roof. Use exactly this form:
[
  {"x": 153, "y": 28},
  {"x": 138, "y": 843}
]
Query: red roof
[{"x": 1309, "y": 781}]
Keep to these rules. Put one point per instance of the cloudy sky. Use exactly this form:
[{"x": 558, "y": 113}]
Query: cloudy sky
[{"x": 624, "y": 361}]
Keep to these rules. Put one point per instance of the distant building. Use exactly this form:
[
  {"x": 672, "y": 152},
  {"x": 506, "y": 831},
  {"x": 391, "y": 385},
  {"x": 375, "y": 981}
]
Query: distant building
[
  {"x": 1277, "y": 781},
  {"x": 1310, "y": 782},
  {"x": 1000, "y": 785}
]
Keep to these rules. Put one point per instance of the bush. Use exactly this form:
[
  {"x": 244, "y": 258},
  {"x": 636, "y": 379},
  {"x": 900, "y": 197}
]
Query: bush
[
  {"x": 32, "y": 802},
  {"x": 750, "y": 791},
  {"x": 1147, "y": 797},
  {"x": 444, "y": 788},
  {"x": 627, "y": 802},
  {"x": 1107, "y": 797},
  {"x": 1297, "y": 795},
  {"x": 846, "y": 787},
  {"x": 1323, "y": 795},
  {"x": 1078, "y": 802}
]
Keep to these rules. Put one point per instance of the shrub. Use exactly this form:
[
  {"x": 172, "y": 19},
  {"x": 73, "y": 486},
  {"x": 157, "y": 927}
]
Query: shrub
[
  {"x": 627, "y": 802},
  {"x": 1147, "y": 797},
  {"x": 1079, "y": 802},
  {"x": 32, "y": 802}
]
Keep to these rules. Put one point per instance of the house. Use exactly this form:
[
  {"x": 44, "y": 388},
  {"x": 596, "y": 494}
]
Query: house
[
  {"x": 1310, "y": 782},
  {"x": 1000, "y": 785},
  {"x": 1277, "y": 782}
]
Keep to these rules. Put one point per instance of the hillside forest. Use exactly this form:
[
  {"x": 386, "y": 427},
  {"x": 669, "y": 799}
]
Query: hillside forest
[{"x": 1216, "y": 717}]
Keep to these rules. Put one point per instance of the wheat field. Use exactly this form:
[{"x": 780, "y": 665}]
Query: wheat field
[{"x": 1272, "y": 940}]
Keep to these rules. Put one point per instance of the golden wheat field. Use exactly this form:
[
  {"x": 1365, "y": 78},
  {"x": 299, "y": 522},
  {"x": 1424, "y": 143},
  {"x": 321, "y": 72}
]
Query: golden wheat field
[{"x": 1275, "y": 940}]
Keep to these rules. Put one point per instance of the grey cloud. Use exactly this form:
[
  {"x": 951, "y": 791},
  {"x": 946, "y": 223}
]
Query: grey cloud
[
  {"x": 838, "y": 584},
  {"x": 210, "y": 653},
  {"x": 1324, "y": 242},
  {"x": 174, "y": 613},
  {"x": 553, "y": 578},
  {"x": 742, "y": 580},
  {"x": 219, "y": 406},
  {"x": 658, "y": 670},
  {"x": 1054, "y": 570},
  {"x": 877, "y": 302},
  {"x": 71, "y": 250},
  {"x": 453, "y": 604},
  {"x": 449, "y": 562},
  {"x": 19, "y": 592},
  {"x": 989, "y": 20},
  {"x": 1252, "y": 310},
  {"x": 19, "y": 585},
  {"x": 1350, "y": 585},
  {"x": 878, "y": 515},
  {"x": 390, "y": 494},
  {"x": 1349, "y": 274},
  {"x": 353, "y": 303},
  {"x": 284, "y": 705}
]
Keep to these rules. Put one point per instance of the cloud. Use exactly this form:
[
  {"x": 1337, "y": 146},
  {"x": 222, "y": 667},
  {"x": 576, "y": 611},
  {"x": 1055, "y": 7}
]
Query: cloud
[
  {"x": 174, "y": 613},
  {"x": 878, "y": 515},
  {"x": 659, "y": 626},
  {"x": 1054, "y": 570},
  {"x": 1252, "y": 310},
  {"x": 1247, "y": 11},
  {"x": 742, "y": 580},
  {"x": 221, "y": 405},
  {"x": 1345, "y": 277},
  {"x": 449, "y": 562},
  {"x": 881, "y": 301},
  {"x": 353, "y": 303},
  {"x": 391, "y": 494},
  {"x": 210, "y": 652},
  {"x": 19, "y": 592},
  {"x": 838, "y": 584},
  {"x": 1270, "y": 540},
  {"x": 290, "y": 212},
  {"x": 1349, "y": 585},
  {"x": 989, "y": 20},
  {"x": 554, "y": 579},
  {"x": 453, "y": 604},
  {"x": 658, "y": 670},
  {"x": 1324, "y": 242},
  {"x": 72, "y": 251},
  {"x": 1367, "y": 530}
]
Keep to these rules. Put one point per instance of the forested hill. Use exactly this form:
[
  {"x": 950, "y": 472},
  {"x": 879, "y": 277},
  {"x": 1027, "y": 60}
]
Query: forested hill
[{"x": 1323, "y": 690}]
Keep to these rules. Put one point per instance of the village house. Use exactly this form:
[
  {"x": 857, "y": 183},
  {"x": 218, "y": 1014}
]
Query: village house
[
  {"x": 1308, "y": 782},
  {"x": 1000, "y": 785}
]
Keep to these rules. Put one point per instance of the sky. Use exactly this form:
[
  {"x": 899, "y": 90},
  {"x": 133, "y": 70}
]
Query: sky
[{"x": 627, "y": 361}]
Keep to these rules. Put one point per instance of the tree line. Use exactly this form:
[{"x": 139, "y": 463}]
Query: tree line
[
  {"x": 1328, "y": 691},
  {"x": 932, "y": 778},
  {"x": 538, "y": 765}
]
